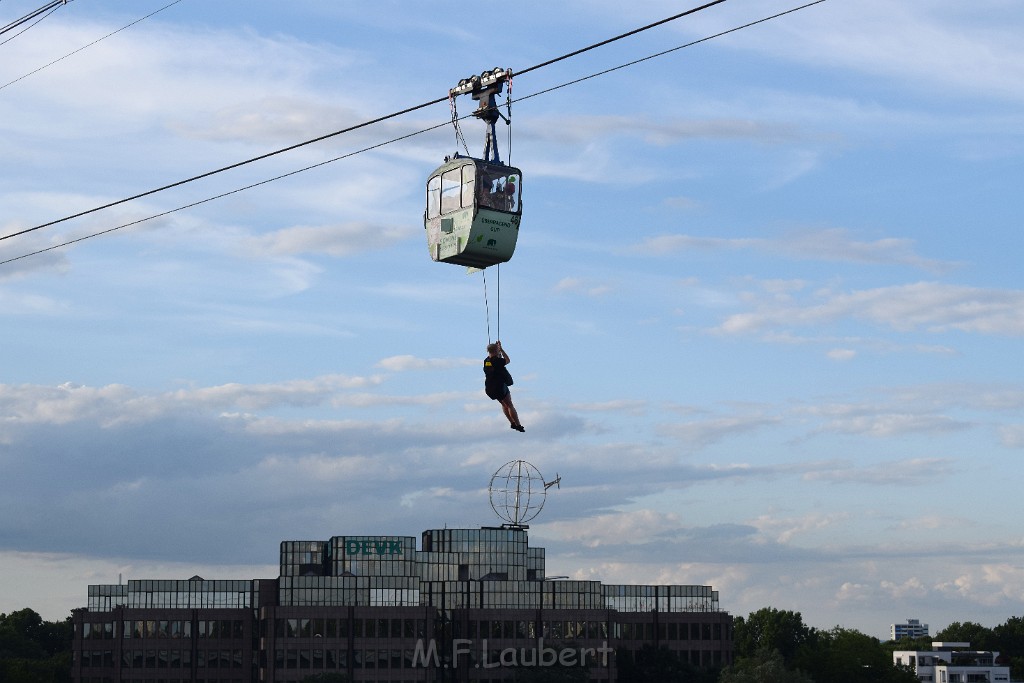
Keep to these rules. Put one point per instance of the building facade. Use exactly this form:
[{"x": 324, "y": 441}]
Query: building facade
[
  {"x": 953, "y": 663},
  {"x": 467, "y": 605},
  {"x": 912, "y": 629}
]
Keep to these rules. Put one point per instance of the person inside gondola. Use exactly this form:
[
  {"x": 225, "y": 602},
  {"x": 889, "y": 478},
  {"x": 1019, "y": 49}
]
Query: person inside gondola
[
  {"x": 510, "y": 194},
  {"x": 496, "y": 191},
  {"x": 497, "y": 381}
]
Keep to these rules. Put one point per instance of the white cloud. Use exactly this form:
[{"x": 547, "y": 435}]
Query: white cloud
[
  {"x": 582, "y": 286},
  {"x": 293, "y": 392},
  {"x": 836, "y": 244},
  {"x": 853, "y": 592},
  {"x": 117, "y": 404},
  {"x": 167, "y": 66},
  {"x": 927, "y": 306},
  {"x": 826, "y": 244},
  {"x": 18, "y": 303},
  {"x": 633, "y": 527},
  {"x": 921, "y": 45},
  {"x": 1012, "y": 436},
  {"x": 929, "y": 523},
  {"x": 682, "y": 203},
  {"x": 663, "y": 244},
  {"x": 891, "y": 424},
  {"x": 65, "y": 576},
  {"x": 630, "y": 407},
  {"x": 405, "y": 363},
  {"x": 989, "y": 584},
  {"x": 278, "y": 118},
  {"x": 912, "y": 472},
  {"x": 912, "y": 587},
  {"x": 785, "y": 529},
  {"x": 586, "y": 129},
  {"x": 336, "y": 240},
  {"x": 701, "y": 433}
]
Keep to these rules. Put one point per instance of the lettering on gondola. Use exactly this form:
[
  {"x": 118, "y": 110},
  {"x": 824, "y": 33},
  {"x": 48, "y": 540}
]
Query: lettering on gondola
[{"x": 449, "y": 244}]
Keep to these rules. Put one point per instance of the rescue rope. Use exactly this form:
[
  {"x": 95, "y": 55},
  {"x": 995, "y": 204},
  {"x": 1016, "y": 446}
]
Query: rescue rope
[
  {"x": 497, "y": 304},
  {"x": 487, "y": 307}
]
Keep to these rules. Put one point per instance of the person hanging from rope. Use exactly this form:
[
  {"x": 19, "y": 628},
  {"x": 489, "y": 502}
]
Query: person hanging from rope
[{"x": 497, "y": 381}]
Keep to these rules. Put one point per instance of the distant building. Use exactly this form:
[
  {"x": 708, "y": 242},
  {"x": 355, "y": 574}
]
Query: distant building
[
  {"x": 912, "y": 629},
  {"x": 953, "y": 663},
  {"x": 468, "y": 605}
]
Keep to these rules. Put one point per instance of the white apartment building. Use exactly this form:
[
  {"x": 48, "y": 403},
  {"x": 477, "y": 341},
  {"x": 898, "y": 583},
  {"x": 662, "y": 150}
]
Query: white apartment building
[{"x": 953, "y": 663}]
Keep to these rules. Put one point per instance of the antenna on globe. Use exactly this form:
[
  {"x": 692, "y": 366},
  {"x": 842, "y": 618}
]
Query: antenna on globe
[{"x": 518, "y": 491}]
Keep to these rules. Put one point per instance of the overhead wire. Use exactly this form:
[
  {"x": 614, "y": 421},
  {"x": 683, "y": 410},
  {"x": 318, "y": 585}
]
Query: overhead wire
[
  {"x": 88, "y": 45},
  {"x": 335, "y": 133},
  {"x": 45, "y": 10},
  {"x": 674, "y": 49},
  {"x": 228, "y": 168},
  {"x": 627, "y": 34},
  {"x": 190, "y": 205},
  {"x": 28, "y": 27},
  {"x": 363, "y": 125},
  {"x": 508, "y": 119},
  {"x": 48, "y": 9}
]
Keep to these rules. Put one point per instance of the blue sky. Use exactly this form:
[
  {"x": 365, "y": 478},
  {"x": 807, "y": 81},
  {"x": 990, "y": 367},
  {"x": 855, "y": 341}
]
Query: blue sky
[{"x": 762, "y": 314}]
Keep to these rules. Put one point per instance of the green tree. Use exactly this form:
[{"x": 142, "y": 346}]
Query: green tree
[
  {"x": 765, "y": 666},
  {"x": 915, "y": 644},
  {"x": 772, "y": 629},
  {"x": 33, "y": 650},
  {"x": 19, "y": 633},
  {"x": 843, "y": 655},
  {"x": 980, "y": 637},
  {"x": 1009, "y": 642}
]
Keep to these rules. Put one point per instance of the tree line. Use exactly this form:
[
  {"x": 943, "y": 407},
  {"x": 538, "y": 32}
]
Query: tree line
[
  {"x": 775, "y": 646},
  {"x": 33, "y": 650}
]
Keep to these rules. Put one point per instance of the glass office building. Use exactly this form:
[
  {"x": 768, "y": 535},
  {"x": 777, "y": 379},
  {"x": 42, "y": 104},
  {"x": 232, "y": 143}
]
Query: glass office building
[{"x": 467, "y": 605}]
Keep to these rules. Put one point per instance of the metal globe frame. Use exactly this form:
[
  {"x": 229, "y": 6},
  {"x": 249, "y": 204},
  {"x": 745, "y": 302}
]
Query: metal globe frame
[{"x": 517, "y": 492}]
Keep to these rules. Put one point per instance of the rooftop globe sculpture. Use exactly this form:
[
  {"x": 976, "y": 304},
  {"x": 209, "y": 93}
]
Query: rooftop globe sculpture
[{"x": 518, "y": 491}]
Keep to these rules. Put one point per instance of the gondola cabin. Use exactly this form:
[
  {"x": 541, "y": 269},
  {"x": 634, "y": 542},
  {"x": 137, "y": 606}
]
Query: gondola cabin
[{"x": 473, "y": 212}]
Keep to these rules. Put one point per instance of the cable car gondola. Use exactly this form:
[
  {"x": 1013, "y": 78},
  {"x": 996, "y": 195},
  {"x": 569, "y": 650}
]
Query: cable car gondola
[
  {"x": 473, "y": 212},
  {"x": 474, "y": 205}
]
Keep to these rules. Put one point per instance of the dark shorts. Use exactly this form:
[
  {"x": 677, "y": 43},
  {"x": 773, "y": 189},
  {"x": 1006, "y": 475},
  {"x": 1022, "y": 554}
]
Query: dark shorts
[{"x": 496, "y": 393}]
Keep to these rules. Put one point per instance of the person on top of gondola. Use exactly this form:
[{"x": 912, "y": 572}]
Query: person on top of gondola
[{"x": 497, "y": 381}]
